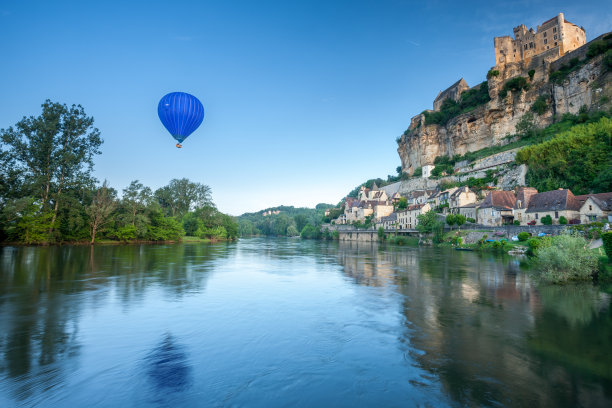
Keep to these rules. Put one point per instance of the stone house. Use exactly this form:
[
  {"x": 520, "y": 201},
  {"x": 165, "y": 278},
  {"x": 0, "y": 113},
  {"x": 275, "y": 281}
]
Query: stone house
[
  {"x": 460, "y": 197},
  {"x": 407, "y": 219},
  {"x": 389, "y": 222},
  {"x": 556, "y": 203},
  {"x": 468, "y": 210},
  {"x": 453, "y": 92},
  {"x": 523, "y": 196},
  {"x": 595, "y": 207},
  {"x": 497, "y": 208},
  {"x": 382, "y": 209}
]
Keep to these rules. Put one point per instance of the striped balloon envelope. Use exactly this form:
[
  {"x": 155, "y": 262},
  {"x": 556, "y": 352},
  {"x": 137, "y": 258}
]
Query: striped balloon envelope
[{"x": 181, "y": 114}]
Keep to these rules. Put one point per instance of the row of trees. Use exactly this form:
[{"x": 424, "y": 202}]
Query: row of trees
[
  {"x": 48, "y": 193},
  {"x": 290, "y": 221}
]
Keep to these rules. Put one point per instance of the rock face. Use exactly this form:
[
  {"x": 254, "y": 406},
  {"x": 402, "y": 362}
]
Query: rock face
[{"x": 491, "y": 123}]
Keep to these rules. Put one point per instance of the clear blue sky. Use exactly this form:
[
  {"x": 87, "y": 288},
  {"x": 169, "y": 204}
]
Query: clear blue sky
[{"x": 303, "y": 99}]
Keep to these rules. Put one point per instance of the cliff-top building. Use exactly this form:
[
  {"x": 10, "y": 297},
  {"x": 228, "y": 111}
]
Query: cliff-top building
[{"x": 557, "y": 36}]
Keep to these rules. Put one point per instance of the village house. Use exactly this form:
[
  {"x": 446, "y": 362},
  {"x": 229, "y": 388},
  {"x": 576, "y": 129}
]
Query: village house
[
  {"x": 469, "y": 210},
  {"x": 388, "y": 223},
  {"x": 460, "y": 197},
  {"x": 523, "y": 196},
  {"x": 556, "y": 203},
  {"x": 497, "y": 208},
  {"x": 595, "y": 207},
  {"x": 407, "y": 219}
]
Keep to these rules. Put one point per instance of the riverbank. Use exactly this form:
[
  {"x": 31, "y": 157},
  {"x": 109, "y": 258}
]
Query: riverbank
[{"x": 183, "y": 240}]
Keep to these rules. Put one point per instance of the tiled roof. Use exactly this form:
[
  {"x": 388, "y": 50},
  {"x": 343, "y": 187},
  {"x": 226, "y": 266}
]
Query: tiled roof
[
  {"x": 555, "y": 200},
  {"x": 524, "y": 195},
  {"x": 603, "y": 200},
  {"x": 499, "y": 199}
]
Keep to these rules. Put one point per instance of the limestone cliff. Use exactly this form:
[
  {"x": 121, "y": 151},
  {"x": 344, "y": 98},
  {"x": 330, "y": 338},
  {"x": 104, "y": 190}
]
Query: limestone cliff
[{"x": 491, "y": 123}]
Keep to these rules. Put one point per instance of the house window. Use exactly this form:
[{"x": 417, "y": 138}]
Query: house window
[
  {"x": 545, "y": 41},
  {"x": 536, "y": 216},
  {"x": 545, "y": 35},
  {"x": 525, "y": 46},
  {"x": 554, "y": 29},
  {"x": 590, "y": 208},
  {"x": 555, "y": 37},
  {"x": 555, "y": 43},
  {"x": 556, "y": 214}
]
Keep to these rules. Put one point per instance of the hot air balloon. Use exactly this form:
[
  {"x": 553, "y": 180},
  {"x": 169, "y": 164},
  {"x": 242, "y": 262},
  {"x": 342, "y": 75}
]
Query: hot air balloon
[{"x": 181, "y": 114}]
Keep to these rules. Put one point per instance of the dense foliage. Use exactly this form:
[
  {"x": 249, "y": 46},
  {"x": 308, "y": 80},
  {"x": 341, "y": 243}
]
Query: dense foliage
[
  {"x": 450, "y": 108},
  {"x": 603, "y": 46},
  {"x": 564, "y": 258},
  {"x": 514, "y": 85},
  {"x": 49, "y": 195},
  {"x": 540, "y": 106},
  {"x": 428, "y": 223},
  {"x": 579, "y": 159},
  {"x": 289, "y": 221}
]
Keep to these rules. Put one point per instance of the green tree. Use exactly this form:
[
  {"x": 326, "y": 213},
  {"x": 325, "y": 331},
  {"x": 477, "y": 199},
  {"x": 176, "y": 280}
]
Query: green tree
[
  {"x": 402, "y": 204},
  {"x": 135, "y": 198},
  {"x": 460, "y": 220},
  {"x": 53, "y": 153},
  {"x": 428, "y": 223},
  {"x": 27, "y": 221},
  {"x": 181, "y": 196},
  {"x": 101, "y": 209},
  {"x": 300, "y": 221},
  {"x": 451, "y": 220}
]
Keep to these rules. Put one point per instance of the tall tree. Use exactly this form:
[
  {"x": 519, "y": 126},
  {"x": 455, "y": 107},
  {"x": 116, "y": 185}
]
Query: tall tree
[
  {"x": 181, "y": 196},
  {"x": 135, "y": 198},
  {"x": 54, "y": 152},
  {"x": 101, "y": 209}
]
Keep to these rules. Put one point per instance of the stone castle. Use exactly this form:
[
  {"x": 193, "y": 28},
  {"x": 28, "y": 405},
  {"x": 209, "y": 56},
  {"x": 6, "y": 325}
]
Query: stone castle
[
  {"x": 555, "y": 37},
  {"x": 532, "y": 55}
]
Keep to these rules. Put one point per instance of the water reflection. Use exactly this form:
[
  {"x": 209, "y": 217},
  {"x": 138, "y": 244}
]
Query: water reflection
[{"x": 290, "y": 322}]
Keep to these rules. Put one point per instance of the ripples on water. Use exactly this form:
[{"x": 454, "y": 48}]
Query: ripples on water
[{"x": 294, "y": 323}]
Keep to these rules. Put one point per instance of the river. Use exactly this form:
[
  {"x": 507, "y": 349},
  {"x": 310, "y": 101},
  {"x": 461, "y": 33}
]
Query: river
[{"x": 285, "y": 322}]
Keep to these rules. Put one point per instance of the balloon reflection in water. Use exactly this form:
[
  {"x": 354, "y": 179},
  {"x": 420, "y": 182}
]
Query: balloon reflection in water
[{"x": 167, "y": 366}]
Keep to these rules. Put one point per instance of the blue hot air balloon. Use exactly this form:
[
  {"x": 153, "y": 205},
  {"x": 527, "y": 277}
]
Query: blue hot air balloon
[{"x": 181, "y": 114}]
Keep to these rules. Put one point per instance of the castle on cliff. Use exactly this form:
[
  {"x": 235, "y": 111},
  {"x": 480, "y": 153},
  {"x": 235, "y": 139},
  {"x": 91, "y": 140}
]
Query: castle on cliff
[{"x": 556, "y": 37}]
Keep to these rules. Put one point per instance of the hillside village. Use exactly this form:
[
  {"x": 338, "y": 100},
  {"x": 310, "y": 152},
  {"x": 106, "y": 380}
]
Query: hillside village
[{"x": 505, "y": 199}]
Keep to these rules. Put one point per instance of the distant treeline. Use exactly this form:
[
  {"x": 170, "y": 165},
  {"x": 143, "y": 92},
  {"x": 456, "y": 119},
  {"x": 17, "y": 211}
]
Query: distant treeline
[
  {"x": 289, "y": 221},
  {"x": 49, "y": 195}
]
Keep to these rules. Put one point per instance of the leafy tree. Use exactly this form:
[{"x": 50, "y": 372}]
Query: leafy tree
[
  {"x": 402, "y": 204},
  {"x": 53, "y": 153},
  {"x": 292, "y": 231},
  {"x": 101, "y": 209},
  {"x": 27, "y": 221},
  {"x": 540, "y": 106},
  {"x": 428, "y": 223},
  {"x": 181, "y": 196},
  {"x": 135, "y": 198},
  {"x": 127, "y": 233},
  {"x": 562, "y": 220},
  {"x": 300, "y": 221},
  {"x": 381, "y": 233},
  {"x": 451, "y": 220},
  {"x": 523, "y": 236},
  {"x": 460, "y": 220}
]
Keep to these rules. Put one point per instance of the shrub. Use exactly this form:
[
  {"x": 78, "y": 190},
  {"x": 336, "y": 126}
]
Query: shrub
[
  {"x": 381, "y": 233},
  {"x": 567, "y": 257},
  {"x": 531, "y": 73},
  {"x": 596, "y": 48},
  {"x": 127, "y": 233},
  {"x": 450, "y": 108},
  {"x": 418, "y": 172},
  {"x": 514, "y": 85},
  {"x": 472, "y": 220},
  {"x": 607, "y": 244},
  {"x": 516, "y": 222},
  {"x": 523, "y": 236},
  {"x": 540, "y": 105},
  {"x": 492, "y": 73},
  {"x": 607, "y": 60},
  {"x": 562, "y": 220},
  {"x": 547, "y": 220}
]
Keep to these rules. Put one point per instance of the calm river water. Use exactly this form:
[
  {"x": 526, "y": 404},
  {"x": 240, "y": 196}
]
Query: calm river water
[{"x": 289, "y": 323}]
